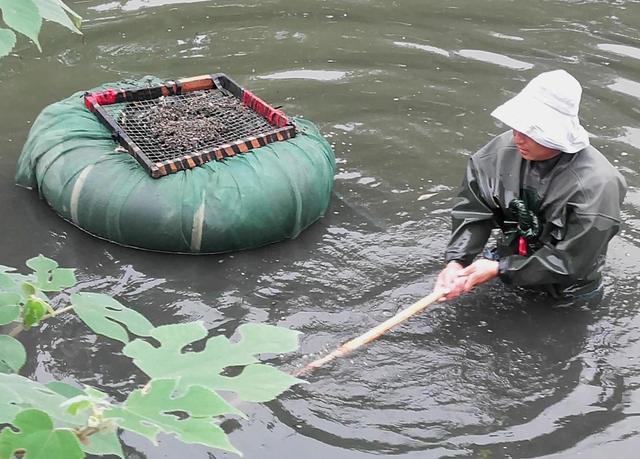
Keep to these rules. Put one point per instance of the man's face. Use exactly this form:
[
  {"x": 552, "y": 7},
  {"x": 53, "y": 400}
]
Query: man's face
[{"x": 531, "y": 150}]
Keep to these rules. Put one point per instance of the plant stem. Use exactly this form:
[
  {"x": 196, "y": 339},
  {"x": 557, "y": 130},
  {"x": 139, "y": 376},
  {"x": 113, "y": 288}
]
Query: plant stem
[
  {"x": 57, "y": 312},
  {"x": 18, "y": 328},
  {"x": 84, "y": 433}
]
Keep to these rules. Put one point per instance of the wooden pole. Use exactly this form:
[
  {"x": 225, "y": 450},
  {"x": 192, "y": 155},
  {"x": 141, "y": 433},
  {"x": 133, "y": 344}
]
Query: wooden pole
[{"x": 375, "y": 332}]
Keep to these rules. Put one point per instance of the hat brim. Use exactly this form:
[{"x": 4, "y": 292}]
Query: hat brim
[{"x": 543, "y": 124}]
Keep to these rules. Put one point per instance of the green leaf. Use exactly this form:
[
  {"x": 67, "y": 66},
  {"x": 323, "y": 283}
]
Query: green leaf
[
  {"x": 64, "y": 389},
  {"x": 18, "y": 392},
  {"x": 263, "y": 338},
  {"x": 7, "y": 42},
  {"x": 41, "y": 263},
  {"x": 28, "y": 289},
  {"x": 9, "y": 307},
  {"x": 75, "y": 17},
  {"x": 4, "y": 368},
  {"x": 104, "y": 443},
  {"x": 149, "y": 412},
  {"x": 54, "y": 10},
  {"x": 22, "y": 16},
  {"x": 9, "y": 299},
  {"x": 50, "y": 278},
  {"x": 9, "y": 313},
  {"x": 12, "y": 353},
  {"x": 38, "y": 438},
  {"x": 7, "y": 282},
  {"x": 104, "y": 315},
  {"x": 99, "y": 444},
  {"x": 95, "y": 394},
  {"x": 89, "y": 399},
  {"x": 61, "y": 278},
  {"x": 257, "y": 383},
  {"x": 77, "y": 404},
  {"x": 33, "y": 311},
  {"x": 169, "y": 360}
]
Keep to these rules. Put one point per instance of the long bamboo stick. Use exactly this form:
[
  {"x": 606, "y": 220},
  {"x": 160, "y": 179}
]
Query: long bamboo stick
[{"x": 375, "y": 332}]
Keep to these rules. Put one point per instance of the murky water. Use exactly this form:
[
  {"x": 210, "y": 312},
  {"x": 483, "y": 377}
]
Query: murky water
[{"x": 403, "y": 90}]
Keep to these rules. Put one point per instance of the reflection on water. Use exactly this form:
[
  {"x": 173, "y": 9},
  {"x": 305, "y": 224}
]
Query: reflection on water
[
  {"x": 631, "y": 136},
  {"x": 427, "y": 48},
  {"x": 403, "y": 91},
  {"x": 463, "y": 379},
  {"x": 133, "y": 5},
  {"x": 319, "y": 75},
  {"x": 495, "y": 58},
  {"x": 623, "y": 50},
  {"x": 506, "y": 37},
  {"x": 626, "y": 86}
]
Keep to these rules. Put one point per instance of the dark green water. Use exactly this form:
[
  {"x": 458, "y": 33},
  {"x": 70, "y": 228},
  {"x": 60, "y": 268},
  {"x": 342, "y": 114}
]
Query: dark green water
[{"x": 403, "y": 90}]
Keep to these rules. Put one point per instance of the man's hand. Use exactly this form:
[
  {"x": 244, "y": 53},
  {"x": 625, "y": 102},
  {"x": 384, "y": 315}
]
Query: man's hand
[
  {"x": 456, "y": 280},
  {"x": 479, "y": 272},
  {"x": 451, "y": 281}
]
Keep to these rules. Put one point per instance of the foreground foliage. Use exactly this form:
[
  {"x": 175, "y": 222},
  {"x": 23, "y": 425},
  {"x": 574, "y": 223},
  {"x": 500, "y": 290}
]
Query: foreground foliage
[
  {"x": 26, "y": 17},
  {"x": 62, "y": 421}
]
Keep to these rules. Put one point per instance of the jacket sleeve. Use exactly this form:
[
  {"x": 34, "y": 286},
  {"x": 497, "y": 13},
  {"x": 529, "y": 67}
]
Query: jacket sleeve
[
  {"x": 582, "y": 250},
  {"x": 472, "y": 221}
]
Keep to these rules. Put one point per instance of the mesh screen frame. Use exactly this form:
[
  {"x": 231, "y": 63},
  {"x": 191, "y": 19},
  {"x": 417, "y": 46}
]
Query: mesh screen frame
[{"x": 105, "y": 105}]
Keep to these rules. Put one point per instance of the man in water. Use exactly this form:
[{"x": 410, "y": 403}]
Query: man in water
[{"x": 555, "y": 197}]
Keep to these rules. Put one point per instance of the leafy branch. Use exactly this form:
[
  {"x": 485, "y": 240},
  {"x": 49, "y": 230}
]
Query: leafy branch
[
  {"x": 26, "y": 17},
  {"x": 181, "y": 398}
]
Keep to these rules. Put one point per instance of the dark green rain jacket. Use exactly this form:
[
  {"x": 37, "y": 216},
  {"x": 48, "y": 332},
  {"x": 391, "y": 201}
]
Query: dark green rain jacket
[{"x": 577, "y": 198}]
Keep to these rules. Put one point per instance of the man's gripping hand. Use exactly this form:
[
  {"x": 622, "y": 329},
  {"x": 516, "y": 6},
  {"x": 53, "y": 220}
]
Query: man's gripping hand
[
  {"x": 451, "y": 280},
  {"x": 479, "y": 272}
]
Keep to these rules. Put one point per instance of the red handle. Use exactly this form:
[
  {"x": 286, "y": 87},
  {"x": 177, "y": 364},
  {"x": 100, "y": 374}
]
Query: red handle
[{"x": 522, "y": 246}]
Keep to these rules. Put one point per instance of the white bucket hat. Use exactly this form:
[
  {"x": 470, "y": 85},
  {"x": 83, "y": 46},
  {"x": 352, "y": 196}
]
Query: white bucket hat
[{"x": 547, "y": 111}]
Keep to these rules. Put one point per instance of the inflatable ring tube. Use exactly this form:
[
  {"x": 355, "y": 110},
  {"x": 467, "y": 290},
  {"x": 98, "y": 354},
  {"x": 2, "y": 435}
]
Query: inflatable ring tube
[{"x": 266, "y": 195}]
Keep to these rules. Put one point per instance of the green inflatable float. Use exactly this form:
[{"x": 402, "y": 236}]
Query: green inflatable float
[{"x": 212, "y": 197}]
